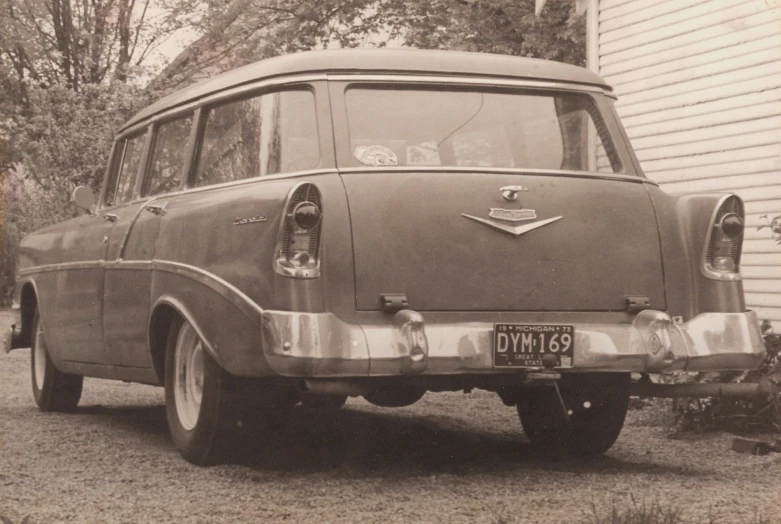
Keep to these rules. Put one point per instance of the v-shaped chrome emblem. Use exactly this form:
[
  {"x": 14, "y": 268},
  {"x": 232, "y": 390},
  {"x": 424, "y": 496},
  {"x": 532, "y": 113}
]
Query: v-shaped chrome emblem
[{"x": 513, "y": 230}]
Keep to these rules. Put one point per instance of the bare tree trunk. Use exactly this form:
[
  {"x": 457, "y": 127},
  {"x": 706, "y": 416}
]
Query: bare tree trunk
[{"x": 123, "y": 23}]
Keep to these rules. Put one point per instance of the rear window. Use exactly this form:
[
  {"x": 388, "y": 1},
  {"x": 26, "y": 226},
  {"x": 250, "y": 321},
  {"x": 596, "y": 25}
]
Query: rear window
[
  {"x": 263, "y": 135},
  {"x": 494, "y": 129}
]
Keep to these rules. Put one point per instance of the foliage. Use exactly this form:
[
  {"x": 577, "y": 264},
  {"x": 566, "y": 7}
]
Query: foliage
[
  {"x": 774, "y": 225},
  {"x": 245, "y": 31},
  {"x": 61, "y": 141},
  {"x": 492, "y": 26},
  {"x": 654, "y": 513},
  {"x": 64, "y": 72},
  {"x": 759, "y": 415}
]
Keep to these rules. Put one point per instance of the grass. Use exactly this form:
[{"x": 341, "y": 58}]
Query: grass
[{"x": 654, "y": 513}]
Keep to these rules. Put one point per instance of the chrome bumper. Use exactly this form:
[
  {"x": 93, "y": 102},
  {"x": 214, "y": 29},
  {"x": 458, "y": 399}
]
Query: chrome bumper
[{"x": 322, "y": 345}]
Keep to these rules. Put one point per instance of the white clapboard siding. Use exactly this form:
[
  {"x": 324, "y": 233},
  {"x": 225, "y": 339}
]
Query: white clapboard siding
[
  {"x": 752, "y": 111},
  {"x": 699, "y": 92},
  {"x": 764, "y": 285},
  {"x": 710, "y": 160},
  {"x": 751, "y": 98},
  {"x": 690, "y": 47},
  {"x": 742, "y": 15}
]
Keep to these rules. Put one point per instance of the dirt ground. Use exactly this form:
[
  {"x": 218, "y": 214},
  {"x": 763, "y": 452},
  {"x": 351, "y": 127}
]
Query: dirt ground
[{"x": 449, "y": 458}]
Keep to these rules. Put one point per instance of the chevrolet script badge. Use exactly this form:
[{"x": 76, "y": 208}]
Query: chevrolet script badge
[
  {"x": 513, "y": 230},
  {"x": 512, "y": 215}
]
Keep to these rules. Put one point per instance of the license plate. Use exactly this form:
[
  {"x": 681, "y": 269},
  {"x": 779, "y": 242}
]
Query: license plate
[{"x": 524, "y": 345}]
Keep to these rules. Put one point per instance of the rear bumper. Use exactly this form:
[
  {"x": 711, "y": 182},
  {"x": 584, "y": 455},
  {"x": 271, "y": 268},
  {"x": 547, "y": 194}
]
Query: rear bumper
[{"x": 322, "y": 345}]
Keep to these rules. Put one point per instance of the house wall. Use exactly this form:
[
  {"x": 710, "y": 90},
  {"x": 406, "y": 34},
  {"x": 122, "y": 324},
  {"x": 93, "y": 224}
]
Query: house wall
[{"x": 699, "y": 87}]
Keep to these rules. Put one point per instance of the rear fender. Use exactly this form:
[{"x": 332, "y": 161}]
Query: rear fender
[{"x": 684, "y": 222}]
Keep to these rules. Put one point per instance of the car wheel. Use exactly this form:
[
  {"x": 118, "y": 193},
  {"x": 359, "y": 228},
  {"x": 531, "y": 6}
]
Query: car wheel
[
  {"x": 322, "y": 402},
  {"x": 597, "y": 404},
  {"x": 52, "y": 389},
  {"x": 198, "y": 396}
]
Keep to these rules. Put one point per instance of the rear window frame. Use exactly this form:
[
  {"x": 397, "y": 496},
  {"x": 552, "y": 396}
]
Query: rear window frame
[{"x": 598, "y": 97}]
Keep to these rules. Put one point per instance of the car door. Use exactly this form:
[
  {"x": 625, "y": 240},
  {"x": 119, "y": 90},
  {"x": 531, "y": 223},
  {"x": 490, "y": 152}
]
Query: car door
[
  {"x": 128, "y": 275},
  {"x": 77, "y": 330}
]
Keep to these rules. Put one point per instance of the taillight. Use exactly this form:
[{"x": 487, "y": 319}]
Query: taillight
[
  {"x": 724, "y": 240},
  {"x": 298, "y": 247}
]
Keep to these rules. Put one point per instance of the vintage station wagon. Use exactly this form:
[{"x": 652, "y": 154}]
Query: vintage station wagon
[{"x": 384, "y": 223}]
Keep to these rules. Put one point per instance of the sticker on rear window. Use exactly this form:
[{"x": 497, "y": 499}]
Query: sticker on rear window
[{"x": 376, "y": 156}]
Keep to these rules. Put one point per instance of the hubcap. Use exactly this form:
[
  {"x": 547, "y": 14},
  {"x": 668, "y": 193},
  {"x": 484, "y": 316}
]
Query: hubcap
[
  {"x": 188, "y": 376},
  {"x": 40, "y": 358}
]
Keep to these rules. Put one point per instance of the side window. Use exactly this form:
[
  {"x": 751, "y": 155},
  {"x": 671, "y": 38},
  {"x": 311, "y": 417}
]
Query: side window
[
  {"x": 113, "y": 172},
  {"x": 132, "y": 150},
  {"x": 264, "y": 135},
  {"x": 168, "y": 156}
]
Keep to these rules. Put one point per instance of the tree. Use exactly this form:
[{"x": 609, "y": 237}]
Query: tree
[
  {"x": 69, "y": 73},
  {"x": 248, "y": 30}
]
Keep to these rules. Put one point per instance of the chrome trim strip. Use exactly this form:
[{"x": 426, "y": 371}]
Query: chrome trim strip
[
  {"x": 92, "y": 264},
  {"x": 235, "y": 91},
  {"x": 182, "y": 309},
  {"x": 495, "y": 170},
  {"x": 245, "y": 181},
  {"x": 212, "y": 281},
  {"x": 513, "y": 230},
  {"x": 469, "y": 80},
  {"x": 705, "y": 267}
]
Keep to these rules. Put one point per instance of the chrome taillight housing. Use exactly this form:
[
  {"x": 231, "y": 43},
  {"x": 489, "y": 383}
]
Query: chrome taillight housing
[
  {"x": 298, "y": 246},
  {"x": 721, "y": 257}
]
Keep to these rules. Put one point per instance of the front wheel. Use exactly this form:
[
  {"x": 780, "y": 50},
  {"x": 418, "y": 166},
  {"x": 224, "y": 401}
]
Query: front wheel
[
  {"x": 596, "y": 404},
  {"x": 53, "y": 390}
]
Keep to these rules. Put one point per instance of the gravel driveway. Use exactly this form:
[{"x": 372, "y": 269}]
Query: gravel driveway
[{"x": 449, "y": 458}]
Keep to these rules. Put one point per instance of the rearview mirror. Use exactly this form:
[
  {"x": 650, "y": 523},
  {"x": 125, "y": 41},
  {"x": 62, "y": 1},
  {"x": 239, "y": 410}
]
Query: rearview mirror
[{"x": 84, "y": 198}]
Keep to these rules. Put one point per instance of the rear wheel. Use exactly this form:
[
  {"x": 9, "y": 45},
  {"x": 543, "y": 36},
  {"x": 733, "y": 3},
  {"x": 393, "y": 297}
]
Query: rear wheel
[
  {"x": 52, "y": 389},
  {"x": 208, "y": 409},
  {"x": 197, "y": 396},
  {"x": 597, "y": 404}
]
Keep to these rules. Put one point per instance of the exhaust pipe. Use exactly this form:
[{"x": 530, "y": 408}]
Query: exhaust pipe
[{"x": 732, "y": 391}]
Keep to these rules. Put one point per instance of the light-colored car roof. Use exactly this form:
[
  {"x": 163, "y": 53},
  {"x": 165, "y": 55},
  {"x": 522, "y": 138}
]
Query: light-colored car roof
[{"x": 407, "y": 61}]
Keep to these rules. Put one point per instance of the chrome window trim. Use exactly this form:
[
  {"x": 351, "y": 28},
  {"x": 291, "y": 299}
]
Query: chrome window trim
[
  {"x": 582, "y": 89},
  {"x": 253, "y": 180},
  {"x": 219, "y": 96},
  {"x": 471, "y": 81},
  {"x": 495, "y": 170}
]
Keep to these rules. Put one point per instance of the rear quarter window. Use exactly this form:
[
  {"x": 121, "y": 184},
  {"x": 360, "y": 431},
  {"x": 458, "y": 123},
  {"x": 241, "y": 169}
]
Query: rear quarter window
[{"x": 264, "y": 135}]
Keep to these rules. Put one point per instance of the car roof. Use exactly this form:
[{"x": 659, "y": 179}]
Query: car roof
[{"x": 378, "y": 61}]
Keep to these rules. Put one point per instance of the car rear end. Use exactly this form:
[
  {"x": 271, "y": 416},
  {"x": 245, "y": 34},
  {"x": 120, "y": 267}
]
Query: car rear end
[{"x": 497, "y": 230}]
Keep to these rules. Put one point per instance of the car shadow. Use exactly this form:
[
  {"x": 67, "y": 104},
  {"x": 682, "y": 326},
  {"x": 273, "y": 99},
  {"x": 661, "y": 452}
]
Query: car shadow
[
  {"x": 360, "y": 443},
  {"x": 357, "y": 443}
]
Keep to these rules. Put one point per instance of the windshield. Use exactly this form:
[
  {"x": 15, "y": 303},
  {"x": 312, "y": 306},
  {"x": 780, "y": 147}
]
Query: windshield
[{"x": 467, "y": 128}]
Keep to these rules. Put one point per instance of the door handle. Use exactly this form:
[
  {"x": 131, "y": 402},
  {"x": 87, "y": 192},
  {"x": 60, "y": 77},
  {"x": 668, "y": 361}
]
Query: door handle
[
  {"x": 155, "y": 210},
  {"x": 109, "y": 217}
]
